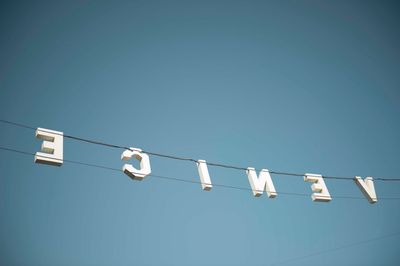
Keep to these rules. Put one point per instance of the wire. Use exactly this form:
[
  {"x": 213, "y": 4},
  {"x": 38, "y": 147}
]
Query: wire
[
  {"x": 336, "y": 248},
  {"x": 190, "y": 159},
  {"x": 184, "y": 180},
  {"x": 16, "y": 124},
  {"x": 96, "y": 142}
]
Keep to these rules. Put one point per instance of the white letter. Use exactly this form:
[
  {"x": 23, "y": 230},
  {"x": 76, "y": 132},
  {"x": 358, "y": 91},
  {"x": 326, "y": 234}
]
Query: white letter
[
  {"x": 204, "y": 175},
  {"x": 144, "y": 160},
  {"x": 322, "y": 193},
  {"x": 52, "y": 147},
  {"x": 367, "y": 188},
  {"x": 264, "y": 181}
]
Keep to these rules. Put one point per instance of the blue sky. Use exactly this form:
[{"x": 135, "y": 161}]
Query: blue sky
[{"x": 296, "y": 86}]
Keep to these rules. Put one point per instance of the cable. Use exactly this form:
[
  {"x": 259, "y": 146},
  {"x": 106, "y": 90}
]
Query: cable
[
  {"x": 186, "y": 180},
  {"x": 336, "y": 249},
  {"x": 192, "y": 159},
  {"x": 96, "y": 142},
  {"x": 16, "y": 124}
]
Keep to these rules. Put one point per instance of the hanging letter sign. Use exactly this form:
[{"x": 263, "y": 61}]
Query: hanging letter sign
[{"x": 52, "y": 153}]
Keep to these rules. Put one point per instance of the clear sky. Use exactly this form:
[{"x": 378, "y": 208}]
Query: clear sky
[{"x": 296, "y": 86}]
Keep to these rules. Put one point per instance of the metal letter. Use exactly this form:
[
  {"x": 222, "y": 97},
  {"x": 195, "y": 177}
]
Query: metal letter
[
  {"x": 264, "y": 181},
  {"x": 367, "y": 188},
  {"x": 319, "y": 188},
  {"x": 144, "y": 160},
  {"x": 52, "y": 147},
  {"x": 204, "y": 175}
]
